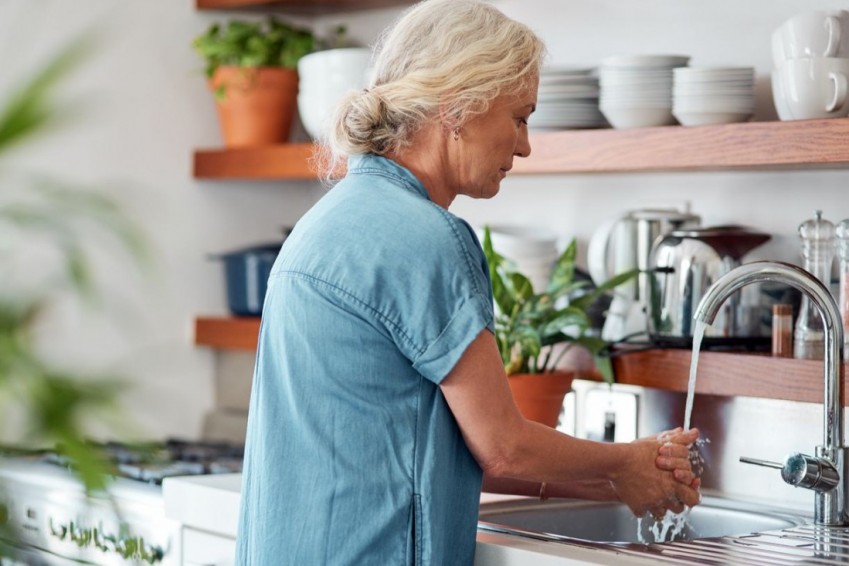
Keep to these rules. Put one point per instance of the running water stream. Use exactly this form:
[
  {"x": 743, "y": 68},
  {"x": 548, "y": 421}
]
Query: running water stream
[
  {"x": 669, "y": 527},
  {"x": 698, "y": 334}
]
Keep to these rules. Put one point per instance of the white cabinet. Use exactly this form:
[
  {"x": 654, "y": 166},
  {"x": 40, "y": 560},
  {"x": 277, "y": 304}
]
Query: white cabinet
[
  {"x": 207, "y": 508},
  {"x": 206, "y": 549}
]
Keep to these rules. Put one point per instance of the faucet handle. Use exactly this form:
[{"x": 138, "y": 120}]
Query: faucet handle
[
  {"x": 764, "y": 463},
  {"x": 800, "y": 470}
]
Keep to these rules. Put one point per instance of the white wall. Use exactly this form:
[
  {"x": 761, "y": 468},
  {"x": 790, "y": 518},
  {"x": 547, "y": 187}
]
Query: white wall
[{"x": 147, "y": 109}]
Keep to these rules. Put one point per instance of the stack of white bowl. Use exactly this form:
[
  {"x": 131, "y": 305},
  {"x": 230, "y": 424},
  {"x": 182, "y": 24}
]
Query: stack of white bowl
[
  {"x": 567, "y": 98},
  {"x": 533, "y": 251},
  {"x": 324, "y": 77},
  {"x": 713, "y": 95},
  {"x": 636, "y": 90},
  {"x": 811, "y": 57}
]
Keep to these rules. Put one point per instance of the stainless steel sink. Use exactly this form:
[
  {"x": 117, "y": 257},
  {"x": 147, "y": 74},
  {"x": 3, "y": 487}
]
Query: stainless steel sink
[{"x": 614, "y": 523}]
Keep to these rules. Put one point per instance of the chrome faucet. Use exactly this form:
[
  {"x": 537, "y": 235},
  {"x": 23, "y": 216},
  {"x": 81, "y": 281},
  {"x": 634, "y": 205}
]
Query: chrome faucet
[{"x": 825, "y": 473}]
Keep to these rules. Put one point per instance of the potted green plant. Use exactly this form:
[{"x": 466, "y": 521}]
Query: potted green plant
[
  {"x": 252, "y": 71},
  {"x": 56, "y": 403},
  {"x": 534, "y": 329}
]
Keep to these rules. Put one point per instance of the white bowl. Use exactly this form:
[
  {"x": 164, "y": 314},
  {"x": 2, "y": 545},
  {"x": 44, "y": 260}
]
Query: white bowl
[
  {"x": 711, "y": 106},
  {"x": 523, "y": 242},
  {"x": 712, "y": 88},
  {"x": 714, "y": 73},
  {"x": 623, "y": 117},
  {"x": 704, "y": 118},
  {"x": 646, "y": 61},
  {"x": 324, "y": 77},
  {"x": 346, "y": 65}
]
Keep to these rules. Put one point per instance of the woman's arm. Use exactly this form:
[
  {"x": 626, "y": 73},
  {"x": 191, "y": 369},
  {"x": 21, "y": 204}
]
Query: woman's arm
[
  {"x": 597, "y": 490},
  {"x": 506, "y": 445}
]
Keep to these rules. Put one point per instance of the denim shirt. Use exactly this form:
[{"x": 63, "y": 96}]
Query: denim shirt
[{"x": 352, "y": 454}]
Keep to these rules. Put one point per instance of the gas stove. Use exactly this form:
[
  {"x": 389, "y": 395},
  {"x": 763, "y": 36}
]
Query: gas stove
[
  {"x": 53, "y": 523},
  {"x": 151, "y": 463}
]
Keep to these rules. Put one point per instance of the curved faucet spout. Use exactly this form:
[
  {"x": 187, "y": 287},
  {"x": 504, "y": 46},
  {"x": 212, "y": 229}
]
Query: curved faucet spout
[{"x": 831, "y": 505}]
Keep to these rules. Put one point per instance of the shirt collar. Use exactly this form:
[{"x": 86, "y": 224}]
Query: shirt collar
[{"x": 370, "y": 163}]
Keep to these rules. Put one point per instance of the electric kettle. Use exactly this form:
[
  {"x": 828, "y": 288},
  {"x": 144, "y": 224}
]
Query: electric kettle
[
  {"x": 622, "y": 244},
  {"x": 683, "y": 264}
]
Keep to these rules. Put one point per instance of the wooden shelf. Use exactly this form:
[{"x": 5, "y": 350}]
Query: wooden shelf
[
  {"x": 227, "y": 333},
  {"x": 725, "y": 373},
  {"x": 285, "y": 161},
  {"x": 720, "y": 373},
  {"x": 670, "y": 148},
  {"x": 754, "y": 145},
  {"x": 298, "y": 6}
]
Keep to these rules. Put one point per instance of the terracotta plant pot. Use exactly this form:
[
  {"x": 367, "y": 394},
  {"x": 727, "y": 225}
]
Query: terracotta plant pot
[
  {"x": 540, "y": 396},
  {"x": 256, "y": 105}
]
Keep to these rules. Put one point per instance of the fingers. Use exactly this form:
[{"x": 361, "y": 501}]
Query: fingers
[
  {"x": 687, "y": 495},
  {"x": 679, "y": 436},
  {"x": 674, "y": 450},
  {"x": 674, "y": 454},
  {"x": 672, "y": 464},
  {"x": 684, "y": 476}
]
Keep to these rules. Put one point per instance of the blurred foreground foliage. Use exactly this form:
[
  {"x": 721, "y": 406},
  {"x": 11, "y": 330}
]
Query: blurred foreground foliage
[{"x": 51, "y": 404}]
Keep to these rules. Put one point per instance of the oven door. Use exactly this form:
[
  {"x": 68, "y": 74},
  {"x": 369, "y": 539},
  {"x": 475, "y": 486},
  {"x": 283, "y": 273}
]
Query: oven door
[
  {"x": 15, "y": 555},
  {"x": 61, "y": 526}
]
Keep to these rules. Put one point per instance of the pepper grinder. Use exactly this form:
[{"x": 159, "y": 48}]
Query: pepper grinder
[
  {"x": 817, "y": 237},
  {"x": 842, "y": 233}
]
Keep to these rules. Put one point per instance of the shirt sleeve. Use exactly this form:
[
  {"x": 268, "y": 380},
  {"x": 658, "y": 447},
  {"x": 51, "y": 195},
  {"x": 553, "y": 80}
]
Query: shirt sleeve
[
  {"x": 455, "y": 279},
  {"x": 443, "y": 353}
]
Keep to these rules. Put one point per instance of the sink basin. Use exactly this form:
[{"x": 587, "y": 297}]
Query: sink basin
[{"x": 614, "y": 522}]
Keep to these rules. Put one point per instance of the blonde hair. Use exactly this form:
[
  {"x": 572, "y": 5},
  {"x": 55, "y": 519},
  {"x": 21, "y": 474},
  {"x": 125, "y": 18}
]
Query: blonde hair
[{"x": 443, "y": 58}]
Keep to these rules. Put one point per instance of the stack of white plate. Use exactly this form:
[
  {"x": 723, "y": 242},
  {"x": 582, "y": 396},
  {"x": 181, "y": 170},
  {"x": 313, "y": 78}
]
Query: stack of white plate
[
  {"x": 713, "y": 95},
  {"x": 567, "y": 98},
  {"x": 636, "y": 90}
]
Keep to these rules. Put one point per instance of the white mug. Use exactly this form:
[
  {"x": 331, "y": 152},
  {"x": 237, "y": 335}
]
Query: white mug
[
  {"x": 816, "y": 88},
  {"x": 778, "y": 97},
  {"x": 812, "y": 34}
]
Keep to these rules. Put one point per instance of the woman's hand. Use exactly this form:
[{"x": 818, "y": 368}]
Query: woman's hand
[
  {"x": 658, "y": 475},
  {"x": 675, "y": 453}
]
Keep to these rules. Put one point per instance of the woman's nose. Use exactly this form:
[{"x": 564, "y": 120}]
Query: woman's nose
[{"x": 523, "y": 144}]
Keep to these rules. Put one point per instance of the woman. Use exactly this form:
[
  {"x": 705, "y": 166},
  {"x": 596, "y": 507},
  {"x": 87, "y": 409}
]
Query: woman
[{"x": 379, "y": 397}]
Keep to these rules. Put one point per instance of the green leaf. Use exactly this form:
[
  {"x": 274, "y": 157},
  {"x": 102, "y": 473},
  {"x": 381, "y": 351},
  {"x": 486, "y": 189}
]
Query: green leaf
[
  {"x": 272, "y": 43},
  {"x": 564, "y": 269},
  {"x": 28, "y": 110},
  {"x": 584, "y": 300},
  {"x": 569, "y": 316},
  {"x": 520, "y": 287},
  {"x": 605, "y": 368}
]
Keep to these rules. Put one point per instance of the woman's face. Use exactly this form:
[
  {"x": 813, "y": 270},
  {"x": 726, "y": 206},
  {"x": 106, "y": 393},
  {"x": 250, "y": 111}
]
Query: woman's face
[{"x": 488, "y": 143}]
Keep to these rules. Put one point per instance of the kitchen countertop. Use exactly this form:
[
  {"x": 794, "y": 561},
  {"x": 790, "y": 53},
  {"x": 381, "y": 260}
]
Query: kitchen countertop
[{"x": 211, "y": 504}]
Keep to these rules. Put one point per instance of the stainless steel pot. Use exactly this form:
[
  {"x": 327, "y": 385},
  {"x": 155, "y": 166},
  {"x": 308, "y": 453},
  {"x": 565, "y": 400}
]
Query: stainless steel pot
[{"x": 683, "y": 264}]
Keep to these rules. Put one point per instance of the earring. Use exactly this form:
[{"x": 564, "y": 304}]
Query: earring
[{"x": 456, "y": 134}]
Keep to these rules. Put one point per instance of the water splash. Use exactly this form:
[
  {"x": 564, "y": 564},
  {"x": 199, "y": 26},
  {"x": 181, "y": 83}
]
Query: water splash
[{"x": 673, "y": 526}]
